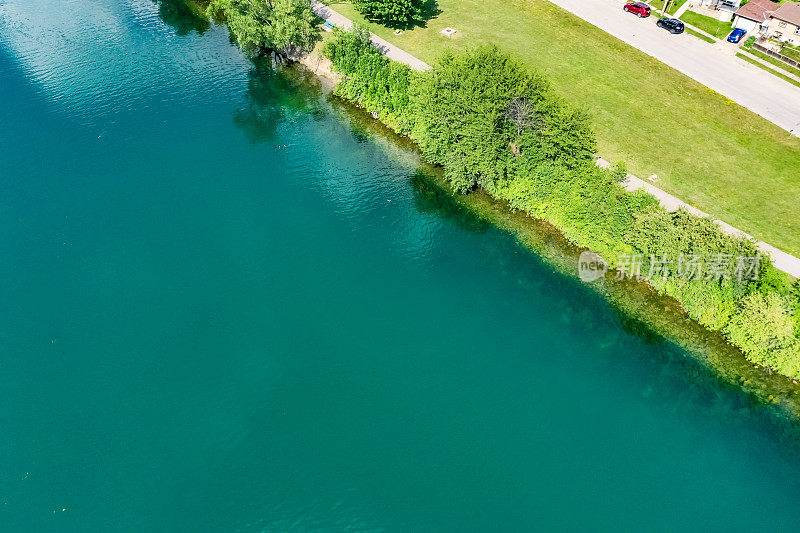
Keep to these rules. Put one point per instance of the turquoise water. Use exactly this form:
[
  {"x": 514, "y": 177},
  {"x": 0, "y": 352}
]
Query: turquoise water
[{"x": 229, "y": 307}]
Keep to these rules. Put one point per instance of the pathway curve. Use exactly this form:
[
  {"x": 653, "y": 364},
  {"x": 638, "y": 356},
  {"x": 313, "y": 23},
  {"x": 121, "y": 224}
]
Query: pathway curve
[
  {"x": 782, "y": 260},
  {"x": 388, "y": 49}
]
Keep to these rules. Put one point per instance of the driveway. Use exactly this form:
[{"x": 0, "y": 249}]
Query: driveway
[{"x": 715, "y": 66}]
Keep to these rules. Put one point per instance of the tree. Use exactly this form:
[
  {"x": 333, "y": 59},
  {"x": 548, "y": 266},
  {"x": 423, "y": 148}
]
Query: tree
[
  {"x": 294, "y": 25},
  {"x": 391, "y": 12},
  {"x": 461, "y": 110},
  {"x": 521, "y": 113},
  {"x": 274, "y": 25}
]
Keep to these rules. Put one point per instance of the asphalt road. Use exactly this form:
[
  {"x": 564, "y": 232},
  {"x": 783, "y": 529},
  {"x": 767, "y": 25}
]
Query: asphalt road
[{"x": 715, "y": 66}]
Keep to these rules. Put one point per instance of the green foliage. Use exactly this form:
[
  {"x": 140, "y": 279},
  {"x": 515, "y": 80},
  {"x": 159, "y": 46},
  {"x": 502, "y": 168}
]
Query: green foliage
[
  {"x": 390, "y": 12},
  {"x": 373, "y": 81},
  {"x": 765, "y": 331},
  {"x": 294, "y": 25},
  {"x": 260, "y": 26},
  {"x": 491, "y": 124},
  {"x": 462, "y": 121}
]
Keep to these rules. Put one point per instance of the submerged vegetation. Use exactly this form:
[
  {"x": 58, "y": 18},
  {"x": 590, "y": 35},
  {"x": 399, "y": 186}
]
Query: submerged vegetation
[{"x": 495, "y": 126}]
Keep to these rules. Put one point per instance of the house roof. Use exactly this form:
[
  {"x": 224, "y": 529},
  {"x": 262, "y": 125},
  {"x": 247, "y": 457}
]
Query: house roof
[
  {"x": 790, "y": 12},
  {"x": 758, "y": 10}
]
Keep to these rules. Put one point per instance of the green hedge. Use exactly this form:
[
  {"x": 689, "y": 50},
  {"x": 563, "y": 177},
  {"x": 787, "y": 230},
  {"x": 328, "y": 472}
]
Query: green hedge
[{"x": 492, "y": 124}]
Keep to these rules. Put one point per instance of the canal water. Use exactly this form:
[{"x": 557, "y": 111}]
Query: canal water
[{"x": 227, "y": 305}]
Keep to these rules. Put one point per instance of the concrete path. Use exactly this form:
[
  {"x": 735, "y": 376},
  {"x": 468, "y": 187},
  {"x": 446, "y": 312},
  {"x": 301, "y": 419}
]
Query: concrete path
[
  {"x": 782, "y": 261},
  {"x": 386, "y": 48},
  {"x": 683, "y": 9},
  {"x": 715, "y": 67}
]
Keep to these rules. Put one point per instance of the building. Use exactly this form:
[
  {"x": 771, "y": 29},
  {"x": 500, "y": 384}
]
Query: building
[
  {"x": 723, "y": 9},
  {"x": 784, "y": 23},
  {"x": 753, "y": 17}
]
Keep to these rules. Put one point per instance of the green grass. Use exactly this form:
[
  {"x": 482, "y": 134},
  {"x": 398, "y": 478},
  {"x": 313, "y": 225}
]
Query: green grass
[
  {"x": 699, "y": 35},
  {"x": 777, "y": 62},
  {"x": 791, "y": 52},
  {"x": 705, "y": 149},
  {"x": 710, "y": 25},
  {"x": 659, "y": 4},
  {"x": 768, "y": 69}
]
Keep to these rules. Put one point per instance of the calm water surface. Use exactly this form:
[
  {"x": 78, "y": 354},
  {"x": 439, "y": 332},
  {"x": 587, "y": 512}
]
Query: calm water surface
[{"x": 226, "y": 307}]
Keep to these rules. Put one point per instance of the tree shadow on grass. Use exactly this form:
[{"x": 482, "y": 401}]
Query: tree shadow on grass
[{"x": 430, "y": 10}]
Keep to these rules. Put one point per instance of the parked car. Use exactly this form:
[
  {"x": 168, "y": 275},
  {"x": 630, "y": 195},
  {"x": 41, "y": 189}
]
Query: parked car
[
  {"x": 672, "y": 25},
  {"x": 638, "y": 8},
  {"x": 736, "y": 35}
]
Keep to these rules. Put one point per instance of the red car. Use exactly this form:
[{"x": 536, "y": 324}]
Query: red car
[{"x": 638, "y": 8}]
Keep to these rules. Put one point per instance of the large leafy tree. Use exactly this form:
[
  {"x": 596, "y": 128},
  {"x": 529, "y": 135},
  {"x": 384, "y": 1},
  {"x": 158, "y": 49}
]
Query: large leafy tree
[
  {"x": 480, "y": 110},
  {"x": 273, "y": 25},
  {"x": 391, "y": 12}
]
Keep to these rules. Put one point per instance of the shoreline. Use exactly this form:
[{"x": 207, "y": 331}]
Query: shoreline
[
  {"x": 662, "y": 315},
  {"x": 782, "y": 260}
]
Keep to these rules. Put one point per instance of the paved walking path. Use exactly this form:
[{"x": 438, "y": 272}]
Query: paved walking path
[
  {"x": 748, "y": 85},
  {"x": 783, "y": 261},
  {"x": 388, "y": 49}
]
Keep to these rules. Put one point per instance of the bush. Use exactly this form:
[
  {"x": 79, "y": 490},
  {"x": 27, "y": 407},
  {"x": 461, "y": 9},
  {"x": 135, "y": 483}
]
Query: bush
[
  {"x": 765, "y": 331},
  {"x": 463, "y": 119},
  {"x": 370, "y": 79}
]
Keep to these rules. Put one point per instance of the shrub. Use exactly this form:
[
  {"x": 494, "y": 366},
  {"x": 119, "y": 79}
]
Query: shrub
[
  {"x": 370, "y": 79},
  {"x": 765, "y": 331},
  {"x": 462, "y": 120}
]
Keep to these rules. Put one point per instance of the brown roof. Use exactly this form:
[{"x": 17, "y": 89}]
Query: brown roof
[
  {"x": 758, "y": 10},
  {"x": 790, "y": 12}
]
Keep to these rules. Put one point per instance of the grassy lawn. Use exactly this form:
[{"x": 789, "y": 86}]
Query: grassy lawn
[
  {"x": 659, "y": 4},
  {"x": 700, "y": 36},
  {"x": 791, "y": 52},
  {"x": 710, "y": 25},
  {"x": 705, "y": 149}
]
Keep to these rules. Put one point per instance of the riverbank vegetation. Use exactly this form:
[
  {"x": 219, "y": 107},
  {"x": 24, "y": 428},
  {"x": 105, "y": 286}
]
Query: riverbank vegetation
[
  {"x": 264, "y": 26},
  {"x": 710, "y": 152},
  {"x": 493, "y": 124}
]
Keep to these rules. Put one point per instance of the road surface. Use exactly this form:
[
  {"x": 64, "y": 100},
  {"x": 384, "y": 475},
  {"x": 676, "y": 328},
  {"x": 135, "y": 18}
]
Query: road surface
[{"x": 715, "y": 66}]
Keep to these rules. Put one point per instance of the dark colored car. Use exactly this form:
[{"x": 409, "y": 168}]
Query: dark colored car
[
  {"x": 736, "y": 35},
  {"x": 638, "y": 8},
  {"x": 672, "y": 25}
]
